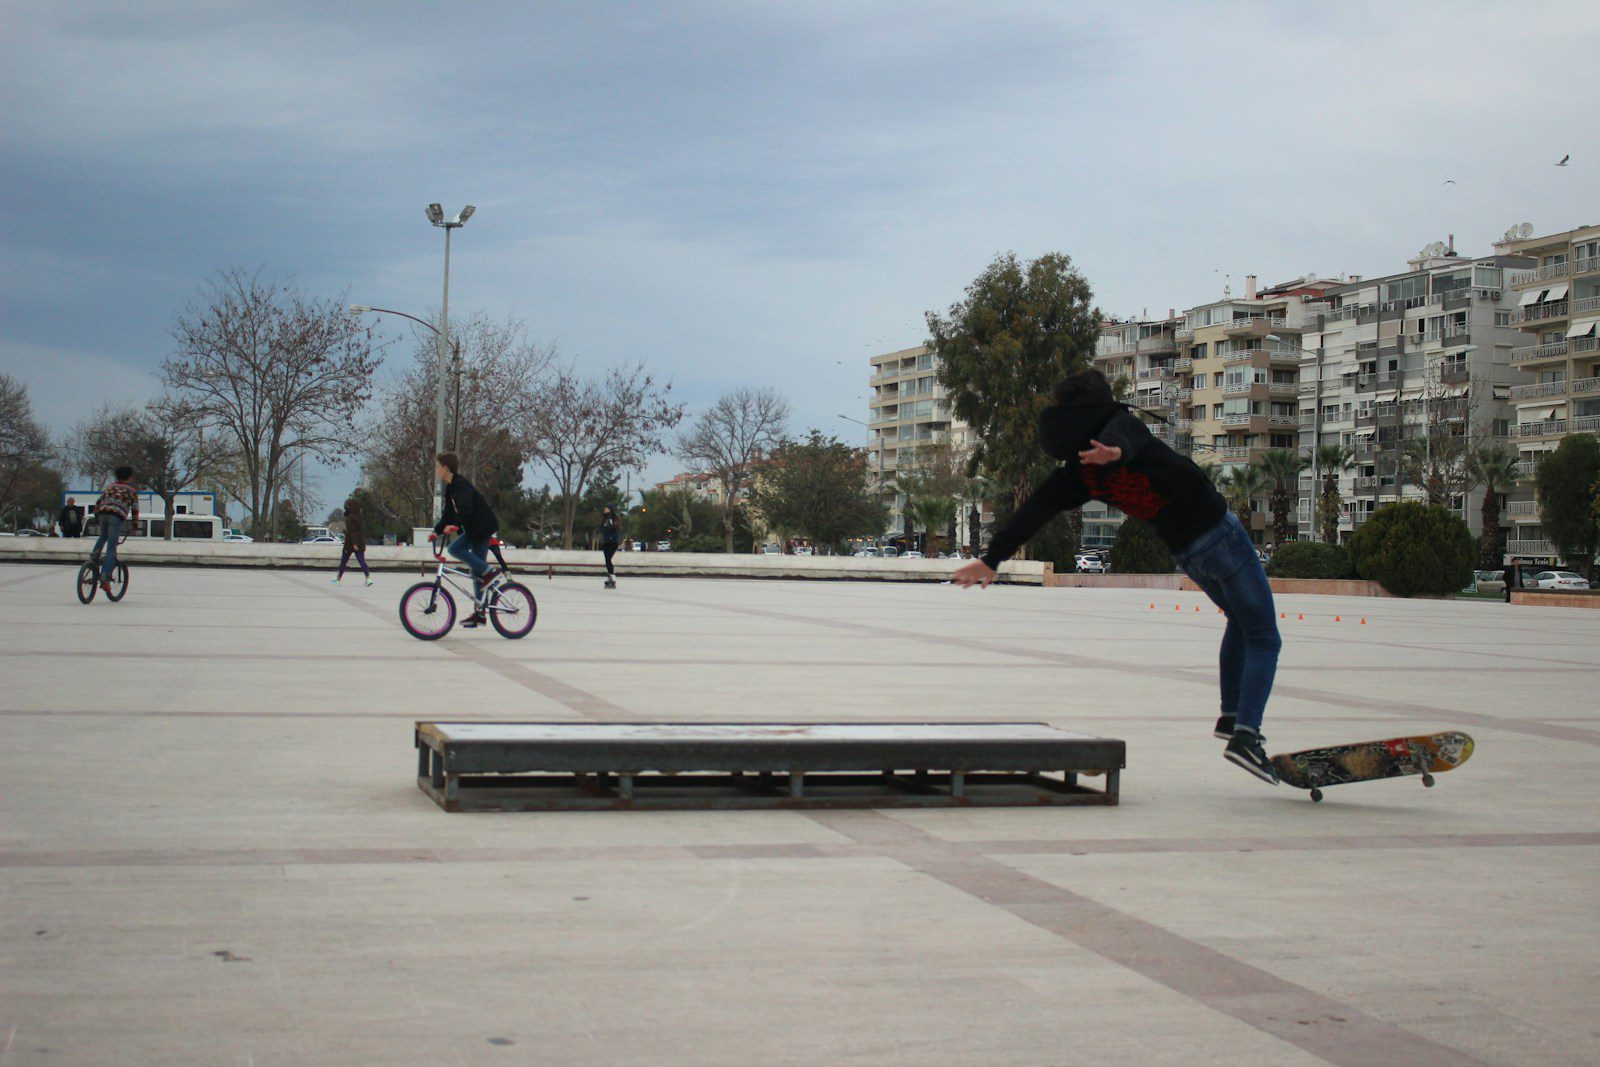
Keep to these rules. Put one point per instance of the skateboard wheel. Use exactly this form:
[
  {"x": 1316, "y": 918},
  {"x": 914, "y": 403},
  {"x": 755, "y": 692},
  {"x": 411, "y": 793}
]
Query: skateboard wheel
[
  {"x": 1427, "y": 781},
  {"x": 1316, "y": 796}
]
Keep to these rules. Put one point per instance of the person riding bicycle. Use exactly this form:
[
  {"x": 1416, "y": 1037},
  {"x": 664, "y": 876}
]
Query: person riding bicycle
[
  {"x": 118, "y": 506},
  {"x": 466, "y": 512}
]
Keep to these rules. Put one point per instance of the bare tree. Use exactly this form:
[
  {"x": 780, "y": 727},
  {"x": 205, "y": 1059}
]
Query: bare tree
[
  {"x": 585, "y": 426},
  {"x": 729, "y": 439},
  {"x": 24, "y": 444},
  {"x": 280, "y": 375},
  {"x": 163, "y": 442}
]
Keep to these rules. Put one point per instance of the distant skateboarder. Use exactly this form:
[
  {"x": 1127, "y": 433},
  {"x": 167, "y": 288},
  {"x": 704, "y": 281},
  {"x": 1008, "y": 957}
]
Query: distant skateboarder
[
  {"x": 610, "y": 538},
  {"x": 1107, "y": 454}
]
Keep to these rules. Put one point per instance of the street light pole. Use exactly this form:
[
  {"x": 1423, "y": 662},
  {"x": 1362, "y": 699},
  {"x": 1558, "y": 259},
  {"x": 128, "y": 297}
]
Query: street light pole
[{"x": 436, "y": 216}]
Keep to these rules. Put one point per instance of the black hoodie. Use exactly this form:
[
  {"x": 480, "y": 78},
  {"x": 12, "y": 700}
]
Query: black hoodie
[{"x": 1150, "y": 481}]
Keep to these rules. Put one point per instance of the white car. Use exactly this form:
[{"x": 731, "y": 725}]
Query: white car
[
  {"x": 868, "y": 551},
  {"x": 325, "y": 539},
  {"x": 772, "y": 550},
  {"x": 913, "y": 554},
  {"x": 663, "y": 546},
  {"x": 803, "y": 550},
  {"x": 240, "y": 539},
  {"x": 31, "y": 533},
  {"x": 1087, "y": 564},
  {"x": 1557, "y": 580}
]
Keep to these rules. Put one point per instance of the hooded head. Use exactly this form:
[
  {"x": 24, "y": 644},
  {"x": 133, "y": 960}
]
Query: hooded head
[
  {"x": 352, "y": 506},
  {"x": 1083, "y": 404}
]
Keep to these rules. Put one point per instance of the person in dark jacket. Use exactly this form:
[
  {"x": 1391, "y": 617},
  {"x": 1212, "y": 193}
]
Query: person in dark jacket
[
  {"x": 610, "y": 538},
  {"x": 468, "y": 514},
  {"x": 70, "y": 519},
  {"x": 355, "y": 541},
  {"x": 1107, "y": 454}
]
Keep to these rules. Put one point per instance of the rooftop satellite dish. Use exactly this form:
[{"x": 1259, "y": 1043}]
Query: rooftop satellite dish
[{"x": 1525, "y": 231}]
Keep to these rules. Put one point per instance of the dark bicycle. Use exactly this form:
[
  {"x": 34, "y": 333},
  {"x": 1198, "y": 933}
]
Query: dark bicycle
[
  {"x": 428, "y": 610},
  {"x": 89, "y": 576}
]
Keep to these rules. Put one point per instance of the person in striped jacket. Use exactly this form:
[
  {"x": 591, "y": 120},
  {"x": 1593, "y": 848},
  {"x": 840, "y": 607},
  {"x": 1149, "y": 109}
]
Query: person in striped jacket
[{"x": 117, "y": 508}]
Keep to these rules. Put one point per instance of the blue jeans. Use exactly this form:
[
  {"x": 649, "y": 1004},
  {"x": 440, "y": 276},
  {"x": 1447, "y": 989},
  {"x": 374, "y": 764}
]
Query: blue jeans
[
  {"x": 1223, "y": 563},
  {"x": 475, "y": 555},
  {"x": 110, "y": 531}
]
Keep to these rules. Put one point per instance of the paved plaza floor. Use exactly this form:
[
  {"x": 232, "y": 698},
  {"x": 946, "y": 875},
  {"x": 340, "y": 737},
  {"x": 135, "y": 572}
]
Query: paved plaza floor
[{"x": 213, "y": 849}]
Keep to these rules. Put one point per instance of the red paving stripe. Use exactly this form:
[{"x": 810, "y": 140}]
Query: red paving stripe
[
  {"x": 1310, "y": 1021},
  {"x": 332, "y": 857}
]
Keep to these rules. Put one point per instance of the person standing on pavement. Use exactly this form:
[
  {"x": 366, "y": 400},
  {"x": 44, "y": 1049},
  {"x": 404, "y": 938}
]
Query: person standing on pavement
[
  {"x": 355, "y": 541},
  {"x": 70, "y": 520},
  {"x": 610, "y": 538}
]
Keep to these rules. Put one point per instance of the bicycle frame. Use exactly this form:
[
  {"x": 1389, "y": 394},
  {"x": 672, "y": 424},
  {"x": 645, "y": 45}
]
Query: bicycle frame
[{"x": 454, "y": 577}]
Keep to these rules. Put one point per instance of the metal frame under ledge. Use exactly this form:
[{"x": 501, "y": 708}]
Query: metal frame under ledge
[{"x": 564, "y": 766}]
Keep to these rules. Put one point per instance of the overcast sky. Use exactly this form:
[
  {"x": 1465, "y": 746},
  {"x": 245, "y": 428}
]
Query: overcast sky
[{"x": 755, "y": 193}]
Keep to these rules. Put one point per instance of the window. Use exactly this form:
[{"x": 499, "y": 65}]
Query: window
[
  {"x": 1502, "y": 318},
  {"x": 1486, "y": 277}
]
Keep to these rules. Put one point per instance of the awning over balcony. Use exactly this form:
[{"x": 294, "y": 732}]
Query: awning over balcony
[
  {"x": 1556, "y": 292},
  {"x": 1583, "y": 329},
  {"x": 1532, "y": 296}
]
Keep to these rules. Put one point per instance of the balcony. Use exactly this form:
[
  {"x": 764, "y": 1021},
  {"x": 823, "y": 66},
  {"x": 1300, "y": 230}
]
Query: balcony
[
  {"x": 1364, "y": 450},
  {"x": 1351, "y": 311},
  {"x": 1542, "y": 389},
  {"x": 1156, "y": 374},
  {"x": 1241, "y": 418},
  {"x": 1586, "y": 266},
  {"x": 1584, "y": 344},
  {"x": 1522, "y": 508},
  {"x": 1582, "y": 387},
  {"x": 1542, "y": 428},
  {"x": 1530, "y": 548},
  {"x": 1532, "y": 353},
  {"x": 1554, "y": 309},
  {"x": 1242, "y": 356},
  {"x": 1183, "y": 333},
  {"x": 1363, "y": 485},
  {"x": 1527, "y": 468},
  {"x": 1238, "y": 452},
  {"x": 1540, "y": 274},
  {"x": 1157, "y": 344},
  {"x": 1453, "y": 332},
  {"x": 1182, "y": 363},
  {"x": 1308, "y": 420},
  {"x": 1283, "y": 390},
  {"x": 1585, "y": 304},
  {"x": 1454, "y": 373},
  {"x": 1238, "y": 388},
  {"x": 1183, "y": 394},
  {"x": 1337, "y": 417},
  {"x": 1283, "y": 422},
  {"x": 1586, "y": 424}
]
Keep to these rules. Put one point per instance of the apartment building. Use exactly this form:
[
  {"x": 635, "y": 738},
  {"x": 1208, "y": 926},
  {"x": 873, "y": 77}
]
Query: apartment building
[
  {"x": 909, "y": 409},
  {"x": 1557, "y": 319},
  {"x": 1383, "y": 357}
]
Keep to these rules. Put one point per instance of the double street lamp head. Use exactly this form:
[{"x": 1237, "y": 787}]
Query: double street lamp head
[
  {"x": 359, "y": 309},
  {"x": 436, "y": 216}
]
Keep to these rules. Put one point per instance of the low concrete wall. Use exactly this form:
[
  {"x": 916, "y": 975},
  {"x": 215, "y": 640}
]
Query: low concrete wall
[
  {"x": 536, "y": 562},
  {"x": 1177, "y": 582},
  {"x": 1551, "y": 598}
]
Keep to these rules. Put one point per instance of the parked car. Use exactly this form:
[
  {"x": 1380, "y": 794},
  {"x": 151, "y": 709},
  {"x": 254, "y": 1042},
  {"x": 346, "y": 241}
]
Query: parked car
[
  {"x": 1490, "y": 581},
  {"x": 888, "y": 552},
  {"x": 31, "y": 533},
  {"x": 866, "y": 551},
  {"x": 322, "y": 539},
  {"x": 1558, "y": 580},
  {"x": 913, "y": 554},
  {"x": 1088, "y": 564},
  {"x": 803, "y": 550},
  {"x": 663, "y": 546},
  {"x": 772, "y": 550},
  {"x": 240, "y": 539}
]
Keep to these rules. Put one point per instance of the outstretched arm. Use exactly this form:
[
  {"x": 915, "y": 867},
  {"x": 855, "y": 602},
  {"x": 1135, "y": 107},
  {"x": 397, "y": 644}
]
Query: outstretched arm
[{"x": 1060, "y": 492}]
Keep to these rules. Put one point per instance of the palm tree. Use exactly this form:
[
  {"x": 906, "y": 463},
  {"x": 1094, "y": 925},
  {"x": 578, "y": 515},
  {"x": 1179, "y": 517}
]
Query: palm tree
[
  {"x": 1495, "y": 468},
  {"x": 1241, "y": 486},
  {"x": 1282, "y": 467},
  {"x": 1331, "y": 461}
]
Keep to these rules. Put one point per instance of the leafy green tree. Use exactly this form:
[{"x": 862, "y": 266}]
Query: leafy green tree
[
  {"x": 934, "y": 483},
  {"x": 1308, "y": 559},
  {"x": 1495, "y": 468},
  {"x": 24, "y": 448},
  {"x": 1138, "y": 550},
  {"x": 818, "y": 487},
  {"x": 1020, "y": 329},
  {"x": 1332, "y": 460},
  {"x": 1242, "y": 486},
  {"x": 1566, "y": 483},
  {"x": 1282, "y": 467},
  {"x": 1411, "y": 547}
]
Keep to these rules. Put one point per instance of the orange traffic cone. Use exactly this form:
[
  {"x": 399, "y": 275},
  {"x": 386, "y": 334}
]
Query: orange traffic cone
[
  {"x": 1197, "y": 607},
  {"x": 1177, "y": 607},
  {"x": 1302, "y": 617},
  {"x": 1336, "y": 618},
  {"x": 1281, "y": 614},
  {"x": 1363, "y": 622}
]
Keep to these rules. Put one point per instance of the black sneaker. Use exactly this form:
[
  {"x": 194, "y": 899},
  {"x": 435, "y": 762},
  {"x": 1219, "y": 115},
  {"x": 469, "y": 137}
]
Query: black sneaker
[
  {"x": 1224, "y": 728},
  {"x": 1245, "y": 750},
  {"x": 477, "y": 619}
]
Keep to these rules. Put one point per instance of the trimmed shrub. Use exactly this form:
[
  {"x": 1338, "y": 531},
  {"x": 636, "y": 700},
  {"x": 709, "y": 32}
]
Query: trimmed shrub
[
  {"x": 1308, "y": 559},
  {"x": 1138, "y": 550},
  {"x": 1410, "y": 548}
]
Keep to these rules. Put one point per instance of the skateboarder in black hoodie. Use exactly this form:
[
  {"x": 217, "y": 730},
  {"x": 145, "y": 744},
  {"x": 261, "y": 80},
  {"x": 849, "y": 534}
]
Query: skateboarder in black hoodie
[{"x": 1107, "y": 454}]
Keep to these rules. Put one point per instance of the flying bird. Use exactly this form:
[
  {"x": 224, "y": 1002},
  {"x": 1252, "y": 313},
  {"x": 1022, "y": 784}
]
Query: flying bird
[
  {"x": 1564, "y": 160},
  {"x": 1449, "y": 181}
]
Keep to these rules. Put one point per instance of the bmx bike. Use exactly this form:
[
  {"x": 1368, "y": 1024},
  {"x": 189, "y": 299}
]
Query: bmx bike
[
  {"x": 428, "y": 609},
  {"x": 89, "y": 577}
]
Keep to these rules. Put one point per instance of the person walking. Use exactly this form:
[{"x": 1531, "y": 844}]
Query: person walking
[
  {"x": 610, "y": 538},
  {"x": 70, "y": 520},
  {"x": 355, "y": 541},
  {"x": 1107, "y": 454}
]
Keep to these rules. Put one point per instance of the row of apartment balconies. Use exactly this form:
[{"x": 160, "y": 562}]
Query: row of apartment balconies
[
  {"x": 1575, "y": 387},
  {"x": 1555, "y": 349},
  {"x": 1584, "y": 265},
  {"x": 1554, "y": 427}
]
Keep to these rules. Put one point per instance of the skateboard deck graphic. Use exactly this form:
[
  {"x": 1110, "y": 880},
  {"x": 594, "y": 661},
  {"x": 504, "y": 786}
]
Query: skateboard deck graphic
[{"x": 1368, "y": 761}]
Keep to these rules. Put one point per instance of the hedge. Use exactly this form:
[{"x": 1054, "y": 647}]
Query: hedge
[
  {"x": 1309, "y": 559},
  {"x": 1410, "y": 548}
]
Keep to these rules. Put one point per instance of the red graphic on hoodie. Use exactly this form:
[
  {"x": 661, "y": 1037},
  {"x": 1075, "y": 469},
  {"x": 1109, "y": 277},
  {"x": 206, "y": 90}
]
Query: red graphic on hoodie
[{"x": 1124, "y": 489}]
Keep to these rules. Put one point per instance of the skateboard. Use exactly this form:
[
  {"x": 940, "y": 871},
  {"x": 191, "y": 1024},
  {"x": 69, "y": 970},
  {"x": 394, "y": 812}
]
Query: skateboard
[{"x": 1369, "y": 761}]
